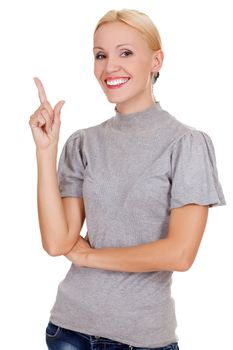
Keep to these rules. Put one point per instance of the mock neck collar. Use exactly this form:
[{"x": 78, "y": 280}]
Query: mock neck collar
[{"x": 145, "y": 119}]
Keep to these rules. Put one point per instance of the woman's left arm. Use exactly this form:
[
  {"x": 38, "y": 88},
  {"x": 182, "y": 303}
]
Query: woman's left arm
[{"x": 176, "y": 252}]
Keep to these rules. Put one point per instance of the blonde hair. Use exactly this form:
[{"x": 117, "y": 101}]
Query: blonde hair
[{"x": 139, "y": 21}]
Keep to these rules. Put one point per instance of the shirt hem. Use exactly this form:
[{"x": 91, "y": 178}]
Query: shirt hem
[{"x": 109, "y": 336}]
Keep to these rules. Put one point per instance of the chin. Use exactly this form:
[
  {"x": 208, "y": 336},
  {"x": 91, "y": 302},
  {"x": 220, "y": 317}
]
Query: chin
[{"x": 115, "y": 99}]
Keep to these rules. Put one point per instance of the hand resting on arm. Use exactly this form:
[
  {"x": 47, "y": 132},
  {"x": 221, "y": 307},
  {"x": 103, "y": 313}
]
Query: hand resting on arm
[{"x": 175, "y": 252}]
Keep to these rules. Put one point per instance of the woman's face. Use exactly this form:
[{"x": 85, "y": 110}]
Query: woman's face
[{"x": 121, "y": 52}]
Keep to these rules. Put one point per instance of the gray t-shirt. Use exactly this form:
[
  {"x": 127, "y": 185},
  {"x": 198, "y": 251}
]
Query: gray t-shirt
[{"x": 131, "y": 170}]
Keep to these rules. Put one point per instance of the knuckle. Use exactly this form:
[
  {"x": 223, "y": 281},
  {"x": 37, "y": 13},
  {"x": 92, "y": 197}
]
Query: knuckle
[
  {"x": 33, "y": 117},
  {"x": 48, "y": 110},
  {"x": 46, "y": 115},
  {"x": 40, "y": 118},
  {"x": 47, "y": 105},
  {"x": 43, "y": 111}
]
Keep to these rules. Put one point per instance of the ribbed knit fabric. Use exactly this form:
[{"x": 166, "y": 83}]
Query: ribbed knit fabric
[{"x": 131, "y": 170}]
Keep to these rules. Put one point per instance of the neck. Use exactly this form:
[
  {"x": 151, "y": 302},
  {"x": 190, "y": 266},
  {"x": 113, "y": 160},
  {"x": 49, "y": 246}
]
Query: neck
[
  {"x": 129, "y": 107},
  {"x": 146, "y": 119}
]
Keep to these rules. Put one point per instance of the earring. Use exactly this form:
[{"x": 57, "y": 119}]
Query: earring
[{"x": 155, "y": 77}]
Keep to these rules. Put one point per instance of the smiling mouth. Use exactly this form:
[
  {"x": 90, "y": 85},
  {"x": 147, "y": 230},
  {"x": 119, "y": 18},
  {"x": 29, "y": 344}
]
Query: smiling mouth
[{"x": 116, "y": 86}]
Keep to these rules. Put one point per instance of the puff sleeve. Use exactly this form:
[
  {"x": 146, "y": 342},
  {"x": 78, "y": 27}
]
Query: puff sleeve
[
  {"x": 194, "y": 172},
  {"x": 70, "y": 167}
]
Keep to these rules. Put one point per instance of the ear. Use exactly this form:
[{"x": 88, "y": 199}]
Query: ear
[{"x": 157, "y": 60}]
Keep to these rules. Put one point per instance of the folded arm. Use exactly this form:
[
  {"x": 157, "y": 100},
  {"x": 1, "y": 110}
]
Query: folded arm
[{"x": 176, "y": 252}]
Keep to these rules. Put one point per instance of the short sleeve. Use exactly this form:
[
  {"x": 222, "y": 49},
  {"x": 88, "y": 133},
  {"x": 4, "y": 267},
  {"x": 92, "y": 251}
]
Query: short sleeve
[
  {"x": 70, "y": 167},
  {"x": 194, "y": 172}
]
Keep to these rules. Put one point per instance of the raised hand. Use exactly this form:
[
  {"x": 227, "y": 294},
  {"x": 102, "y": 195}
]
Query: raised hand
[{"x": 45, "y": 122}]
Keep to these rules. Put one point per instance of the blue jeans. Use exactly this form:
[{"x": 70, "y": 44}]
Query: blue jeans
[{"x": 58, "y": 338}]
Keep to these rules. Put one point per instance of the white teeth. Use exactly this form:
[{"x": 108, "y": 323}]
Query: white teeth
[{"x": 116, "y": 81}]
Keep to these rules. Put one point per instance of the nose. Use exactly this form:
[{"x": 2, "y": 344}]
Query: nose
[{"x": 111, "y": 65}]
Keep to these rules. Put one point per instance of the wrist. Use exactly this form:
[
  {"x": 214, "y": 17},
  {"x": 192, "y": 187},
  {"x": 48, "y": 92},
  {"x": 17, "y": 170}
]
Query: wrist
[
  {"x": 49, "y": 150},
  {"x": 88, "y": 261},
  {"x": 47, "y": 153}
]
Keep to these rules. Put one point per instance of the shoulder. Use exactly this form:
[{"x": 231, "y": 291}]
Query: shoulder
[
  {"x": 179, "y": 132},
  {"x": 73, "y": 141},
  {"x": 77, "y": 136},
  {"x": 93, "y": 131},
  {"x": 189, "y": 136}
]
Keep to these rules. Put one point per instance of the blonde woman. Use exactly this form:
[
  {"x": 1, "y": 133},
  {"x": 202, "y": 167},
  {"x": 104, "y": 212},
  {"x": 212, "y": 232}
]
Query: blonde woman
[{"x": 144, "y": 182}]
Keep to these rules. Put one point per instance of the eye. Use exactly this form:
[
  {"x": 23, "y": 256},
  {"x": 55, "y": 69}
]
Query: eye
[
  {"x": 98, "y": 55},
  {"x": 127, "y": 52},
  {"x": 124, "y": 52}
]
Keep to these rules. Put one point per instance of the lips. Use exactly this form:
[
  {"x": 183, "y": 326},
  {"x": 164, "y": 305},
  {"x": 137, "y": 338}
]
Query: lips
[{"x": 116, "y": 86}]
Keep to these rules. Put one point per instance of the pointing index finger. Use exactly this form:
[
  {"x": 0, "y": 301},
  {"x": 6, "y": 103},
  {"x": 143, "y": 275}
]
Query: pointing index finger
[{"x": 41, "y": 90}]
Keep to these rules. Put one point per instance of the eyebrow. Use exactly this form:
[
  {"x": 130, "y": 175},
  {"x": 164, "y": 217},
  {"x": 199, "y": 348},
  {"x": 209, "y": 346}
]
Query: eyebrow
[{"x": 99, "y": 47}]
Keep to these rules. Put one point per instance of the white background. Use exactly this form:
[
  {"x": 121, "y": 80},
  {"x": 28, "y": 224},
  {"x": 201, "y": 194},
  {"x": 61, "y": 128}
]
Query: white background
[{"x": 53, "y": 41}]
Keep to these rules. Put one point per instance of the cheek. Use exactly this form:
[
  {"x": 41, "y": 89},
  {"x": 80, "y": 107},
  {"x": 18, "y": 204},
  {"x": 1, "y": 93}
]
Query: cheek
[
  {"x": 97, "y": 70},
  {"x": 140, "y": 67}
]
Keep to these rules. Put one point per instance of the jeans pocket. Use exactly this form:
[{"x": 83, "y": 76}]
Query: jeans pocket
[{"x": 52, "y": 330}]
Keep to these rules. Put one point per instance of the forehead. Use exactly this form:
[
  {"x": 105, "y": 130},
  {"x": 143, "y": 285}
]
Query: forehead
[{"x": 114, "y": 33}]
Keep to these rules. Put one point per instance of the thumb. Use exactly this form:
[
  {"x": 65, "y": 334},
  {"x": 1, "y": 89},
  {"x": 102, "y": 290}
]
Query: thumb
[{"x": 57, "y": 111}]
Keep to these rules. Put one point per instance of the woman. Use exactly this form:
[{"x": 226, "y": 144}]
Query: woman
[{"x": 143, "y": 180}]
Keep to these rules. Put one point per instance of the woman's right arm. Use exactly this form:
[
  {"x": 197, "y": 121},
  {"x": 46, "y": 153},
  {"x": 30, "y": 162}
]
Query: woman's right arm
[{"x": 60, "y": 219}]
